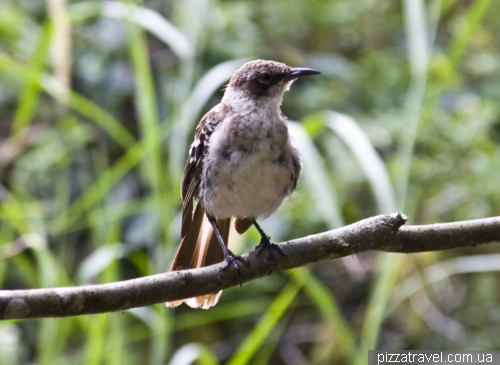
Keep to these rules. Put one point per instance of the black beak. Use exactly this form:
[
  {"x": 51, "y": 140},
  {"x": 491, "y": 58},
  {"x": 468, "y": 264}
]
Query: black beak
[{"x": 296, "y": 72}]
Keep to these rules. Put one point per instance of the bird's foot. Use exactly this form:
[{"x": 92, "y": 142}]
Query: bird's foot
[
  {"x": 267, "y": 244},
  {"x": 232, "y": 260}
]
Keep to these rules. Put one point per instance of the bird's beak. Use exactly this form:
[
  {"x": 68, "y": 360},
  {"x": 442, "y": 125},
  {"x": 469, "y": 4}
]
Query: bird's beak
[{"x": 296, "y": 72}]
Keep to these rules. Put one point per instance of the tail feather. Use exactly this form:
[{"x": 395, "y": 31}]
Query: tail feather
[
  {"x": 242, "y": 224},
  {"x": 200, "y": 247},
  {"x": 204, "y": 301}
]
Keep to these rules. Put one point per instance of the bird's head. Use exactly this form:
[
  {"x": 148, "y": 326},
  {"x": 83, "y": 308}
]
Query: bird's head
[{"x": 260, "y": 80}]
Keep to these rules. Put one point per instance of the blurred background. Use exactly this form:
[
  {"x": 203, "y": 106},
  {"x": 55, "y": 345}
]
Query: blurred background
[{"x": 98, "y": 104}]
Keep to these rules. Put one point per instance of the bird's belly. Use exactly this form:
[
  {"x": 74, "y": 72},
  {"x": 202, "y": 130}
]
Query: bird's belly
[{"x": 252, "y": 186}]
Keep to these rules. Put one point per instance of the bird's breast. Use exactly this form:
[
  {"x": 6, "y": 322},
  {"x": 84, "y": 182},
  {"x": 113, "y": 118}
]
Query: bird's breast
[{"x": 249, "y": 170}]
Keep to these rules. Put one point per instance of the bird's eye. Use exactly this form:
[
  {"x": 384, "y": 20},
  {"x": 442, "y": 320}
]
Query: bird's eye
[{"x": 265, "y": 77}]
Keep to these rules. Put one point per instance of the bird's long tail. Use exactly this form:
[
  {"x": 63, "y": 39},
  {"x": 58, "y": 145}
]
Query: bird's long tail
[{"x": 199, "y": 247}]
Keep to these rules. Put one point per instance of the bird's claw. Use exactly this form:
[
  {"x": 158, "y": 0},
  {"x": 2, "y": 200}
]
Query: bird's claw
[
  {"x": 267, "y": 243},
  {"x": 232, "y": 260}
]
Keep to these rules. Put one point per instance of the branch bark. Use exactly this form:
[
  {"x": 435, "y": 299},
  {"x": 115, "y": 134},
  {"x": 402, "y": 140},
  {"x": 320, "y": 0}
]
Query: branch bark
[{"x": 384, "y": 233}]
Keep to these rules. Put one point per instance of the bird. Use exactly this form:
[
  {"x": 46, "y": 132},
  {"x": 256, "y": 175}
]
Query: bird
[{"x": 241, "y": 165}]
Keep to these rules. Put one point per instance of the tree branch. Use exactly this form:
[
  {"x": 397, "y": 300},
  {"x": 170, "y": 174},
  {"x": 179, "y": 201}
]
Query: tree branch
[{"x": 383, "y": 233}]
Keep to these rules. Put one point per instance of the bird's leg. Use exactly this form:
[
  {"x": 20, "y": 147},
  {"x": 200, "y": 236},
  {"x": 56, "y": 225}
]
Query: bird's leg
[
  {"x": 267, "y": 243},
  {"x": 229, "y": 257}
]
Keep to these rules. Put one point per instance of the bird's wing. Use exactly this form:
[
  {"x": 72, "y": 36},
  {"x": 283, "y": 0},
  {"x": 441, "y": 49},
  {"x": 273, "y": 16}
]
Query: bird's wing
[
  {"x": 199, "y": 245},
  {"x": 191, "y": 176}
]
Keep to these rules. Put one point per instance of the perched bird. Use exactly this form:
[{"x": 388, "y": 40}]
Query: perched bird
[{"x": 241, "y": 164}]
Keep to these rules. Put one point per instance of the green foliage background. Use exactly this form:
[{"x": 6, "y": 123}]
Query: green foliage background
[{"x": 90, "y": 170}]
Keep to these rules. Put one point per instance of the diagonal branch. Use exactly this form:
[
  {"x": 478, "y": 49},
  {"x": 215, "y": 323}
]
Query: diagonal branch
[{"x": 383, "y": 233}]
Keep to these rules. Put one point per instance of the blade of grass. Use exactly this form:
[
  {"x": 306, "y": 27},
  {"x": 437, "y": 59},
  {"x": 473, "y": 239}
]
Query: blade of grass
[
  {"x": 327, "y": 306},
  {"x": 28, "y": 97},
  {"x": 420, "y": 41},
  {"x": 99, "y": 330},
  {"x": 116, "y": 338},
  {"x": 190, "y": 352},
  {"x": 207, "y": 357},
  {"x": 96, "y": 338},
  {"x": 258, "y": 335},
  {"x": 148, "y": 19},
  {"x": 266, "y": 351},
  {"x": 152, "y": 167},
  {"x": 161, "y": 339},
  {"x": 14, "y": 213},
  {"x": 473, "y": 18},
  {"x": 53, "y": 333},
  {"x": 370, "y": 162},
  {"x": 148, "y": 119},
  {"x": 19, "y": 245},
  {"x": 145, "y": 95},
  {"x": 388, "y": 266},
  {"x": 314, "y": 176},
  {"x": 447, "y": 5},
  {"x": 61, "y": 42}
]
